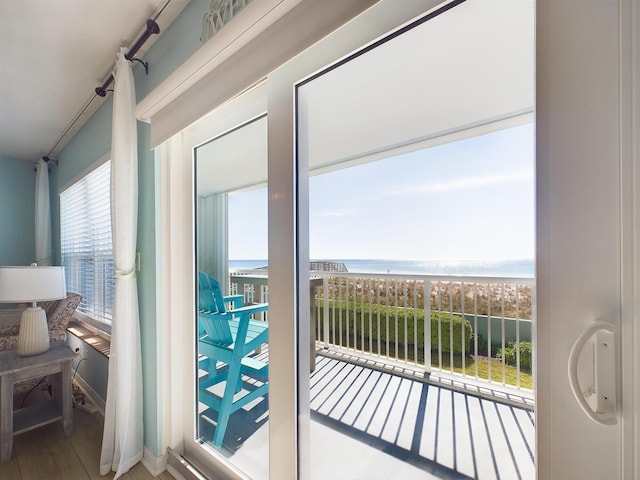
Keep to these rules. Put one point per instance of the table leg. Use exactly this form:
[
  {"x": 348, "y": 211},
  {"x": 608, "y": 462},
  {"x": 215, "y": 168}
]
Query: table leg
[
  {"x": 67, "y": 402},
  {"x": 6, "y": 417}
]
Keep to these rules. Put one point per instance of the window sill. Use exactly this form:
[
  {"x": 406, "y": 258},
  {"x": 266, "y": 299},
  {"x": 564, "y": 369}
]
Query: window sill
[{"x": 95, "y": 338}]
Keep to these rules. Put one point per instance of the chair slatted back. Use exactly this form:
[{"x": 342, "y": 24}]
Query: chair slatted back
[
  {"x": 212, "y": 314},
  {"x": 209, "y": 294}
]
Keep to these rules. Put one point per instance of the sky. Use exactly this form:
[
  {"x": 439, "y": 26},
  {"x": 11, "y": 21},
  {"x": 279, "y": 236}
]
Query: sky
[{"x": 468, "y": 200}]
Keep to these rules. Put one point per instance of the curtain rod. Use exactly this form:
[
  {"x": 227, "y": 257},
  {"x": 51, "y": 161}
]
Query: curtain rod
[{"x": 152, "y": 28}]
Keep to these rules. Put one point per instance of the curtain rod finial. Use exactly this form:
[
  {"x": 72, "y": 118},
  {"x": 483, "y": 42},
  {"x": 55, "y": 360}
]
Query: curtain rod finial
[{"x": 153, "y": 27}]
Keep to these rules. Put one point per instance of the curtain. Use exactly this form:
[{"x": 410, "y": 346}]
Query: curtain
[
  {"x": 122, "y": 441},
  {"x": 213, "y": 245},
  {"x": 43, "y": 215}
]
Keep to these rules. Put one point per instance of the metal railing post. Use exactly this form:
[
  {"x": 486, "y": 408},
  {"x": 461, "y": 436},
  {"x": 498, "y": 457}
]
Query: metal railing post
[{"x": 325, "y": 316}]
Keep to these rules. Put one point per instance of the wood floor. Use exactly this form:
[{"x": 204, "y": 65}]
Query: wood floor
[{"x": 45, "y": 453}]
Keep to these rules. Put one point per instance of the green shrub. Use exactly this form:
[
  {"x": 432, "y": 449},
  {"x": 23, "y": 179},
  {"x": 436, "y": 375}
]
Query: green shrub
[
  {"x": 510, "y": 352},
  {"x": 363, "y": 320}
]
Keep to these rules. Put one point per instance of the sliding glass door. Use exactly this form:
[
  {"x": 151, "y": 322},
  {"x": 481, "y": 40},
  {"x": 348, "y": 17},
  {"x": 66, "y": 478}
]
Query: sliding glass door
[
  {"x": 232, "y": 313},
  {"x": 419, "y": 153},
  {"x": 404, "y": 118}
]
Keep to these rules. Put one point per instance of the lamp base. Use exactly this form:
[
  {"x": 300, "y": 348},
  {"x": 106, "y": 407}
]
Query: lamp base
[{"x": 33, "y": 337}]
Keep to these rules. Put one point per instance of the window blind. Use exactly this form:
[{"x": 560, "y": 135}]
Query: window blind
[{"x": 86, "y": 246}]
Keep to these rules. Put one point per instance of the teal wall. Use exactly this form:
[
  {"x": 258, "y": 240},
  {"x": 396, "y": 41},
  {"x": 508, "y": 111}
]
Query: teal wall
[
  {"x": 147, "y": 290},
  {"x": 92, "y": 143},
  {"x": 90, "y": 365},
  {"x": 89, "y": 145},
  {"x": 17, "y": 212},
  {"x": 172, "y": 48}
]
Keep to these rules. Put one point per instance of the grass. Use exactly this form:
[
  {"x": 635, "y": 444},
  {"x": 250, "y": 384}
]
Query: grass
[
  {"x": 391, "y": 323},
  {"x": 352, "y": 325},
  {"x": 510, "y": 372}
]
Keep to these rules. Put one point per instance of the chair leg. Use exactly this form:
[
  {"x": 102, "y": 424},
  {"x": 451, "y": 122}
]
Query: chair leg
[
  {"x": 226, "y": 406},
  {"x": 210, "y": 365}
]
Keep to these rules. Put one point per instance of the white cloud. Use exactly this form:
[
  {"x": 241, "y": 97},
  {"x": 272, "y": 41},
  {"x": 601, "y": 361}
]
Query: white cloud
[
  {"x": 334, "y": 213},
  {"x": 462, "y": 183}
]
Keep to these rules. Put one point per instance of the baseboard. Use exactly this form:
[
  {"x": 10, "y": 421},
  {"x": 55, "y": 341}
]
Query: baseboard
[
  {"x": 155, "y": 465},
  {"x": 90, "y": 395}
]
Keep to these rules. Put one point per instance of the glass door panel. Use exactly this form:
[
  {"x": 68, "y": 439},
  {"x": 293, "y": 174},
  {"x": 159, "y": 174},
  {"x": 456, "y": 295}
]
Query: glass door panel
[
  {"x": 232, "y": 410},
  {"x": 420, "y": 155}
]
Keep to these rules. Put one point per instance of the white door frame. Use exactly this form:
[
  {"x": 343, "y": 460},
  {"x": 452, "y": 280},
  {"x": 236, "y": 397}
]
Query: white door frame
[
  {"x": 176, "y": 258},
  {"x": 587, "y": 220},
  {"x": 558, "y": 22}
]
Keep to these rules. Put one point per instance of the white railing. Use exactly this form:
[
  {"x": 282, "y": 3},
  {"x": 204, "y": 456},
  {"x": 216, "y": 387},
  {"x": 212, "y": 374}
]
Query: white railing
[{"x": 475, "y": 327}]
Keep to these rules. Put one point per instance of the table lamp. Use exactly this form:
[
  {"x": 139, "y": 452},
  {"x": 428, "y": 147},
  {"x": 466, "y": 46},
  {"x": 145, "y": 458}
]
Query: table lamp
[{"x": 32, "y": 284}]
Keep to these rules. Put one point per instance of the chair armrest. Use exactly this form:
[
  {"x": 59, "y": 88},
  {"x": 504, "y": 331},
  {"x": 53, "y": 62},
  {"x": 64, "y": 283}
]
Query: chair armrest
[
  {"x": 249, "y": 309},
  {"x": 235, "y": 300},
  {"x": 243, "y": 317}
]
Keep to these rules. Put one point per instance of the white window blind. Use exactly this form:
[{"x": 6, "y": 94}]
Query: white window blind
[{"x": 86, "y": 247}]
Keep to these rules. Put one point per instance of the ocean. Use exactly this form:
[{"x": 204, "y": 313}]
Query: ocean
[{"x": 485, "y": 268}]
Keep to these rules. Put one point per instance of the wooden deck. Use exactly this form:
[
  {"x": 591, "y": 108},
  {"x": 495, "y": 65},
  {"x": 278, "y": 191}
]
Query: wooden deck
[
  {"x": 429, "y": 429},
  {"x": 368, "y": 424}
]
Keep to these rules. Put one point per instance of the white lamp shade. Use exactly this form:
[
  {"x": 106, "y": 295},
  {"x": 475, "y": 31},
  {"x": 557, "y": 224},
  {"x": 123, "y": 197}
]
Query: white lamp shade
[{"x": 31, "y": 284}]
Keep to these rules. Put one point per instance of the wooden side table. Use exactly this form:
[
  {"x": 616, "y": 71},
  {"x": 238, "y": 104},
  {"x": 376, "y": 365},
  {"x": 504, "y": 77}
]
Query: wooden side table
[{"x": 14, "y": 368}]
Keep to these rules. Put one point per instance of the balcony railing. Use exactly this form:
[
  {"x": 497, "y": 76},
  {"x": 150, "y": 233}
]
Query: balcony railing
[{"x": 473, "y": 329}]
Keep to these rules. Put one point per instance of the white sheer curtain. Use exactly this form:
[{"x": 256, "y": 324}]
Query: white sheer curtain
[
  {"x": 122, "y": 441},
  {"x": 43, "y": 215}
]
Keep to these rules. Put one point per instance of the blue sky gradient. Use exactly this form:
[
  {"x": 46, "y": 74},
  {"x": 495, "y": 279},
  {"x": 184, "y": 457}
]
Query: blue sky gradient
[{"x": 469, "y": 200}]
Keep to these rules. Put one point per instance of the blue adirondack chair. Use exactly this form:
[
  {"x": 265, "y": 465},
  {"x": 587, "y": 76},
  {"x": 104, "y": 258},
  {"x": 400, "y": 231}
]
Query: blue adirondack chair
[{"x": 226, "y": 339}]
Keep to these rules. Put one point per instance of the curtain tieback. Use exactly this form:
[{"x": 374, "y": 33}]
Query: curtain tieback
[{"x": 128, "y": 275}]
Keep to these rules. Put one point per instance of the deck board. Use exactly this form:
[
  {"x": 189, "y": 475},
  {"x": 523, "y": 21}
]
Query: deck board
[
  {"x": 445, "y": 433},
  {"x": 372, "y": 424}
]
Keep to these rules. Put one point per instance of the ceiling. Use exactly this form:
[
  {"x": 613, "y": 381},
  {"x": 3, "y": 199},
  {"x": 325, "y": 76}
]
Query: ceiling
[
  {"x": 53, "y": 54},
  {"x": 467, "y": 72}
]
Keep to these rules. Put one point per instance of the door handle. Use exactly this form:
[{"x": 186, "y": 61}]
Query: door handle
[{"x": 605, "y": 374}]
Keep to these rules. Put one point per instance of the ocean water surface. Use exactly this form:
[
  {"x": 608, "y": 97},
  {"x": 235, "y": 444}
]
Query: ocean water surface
[{"x": 485, "y": 268}]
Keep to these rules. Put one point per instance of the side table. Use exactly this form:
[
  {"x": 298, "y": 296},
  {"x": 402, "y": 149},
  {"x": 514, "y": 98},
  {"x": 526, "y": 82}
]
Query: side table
[{"x": 14, "y": 368}]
